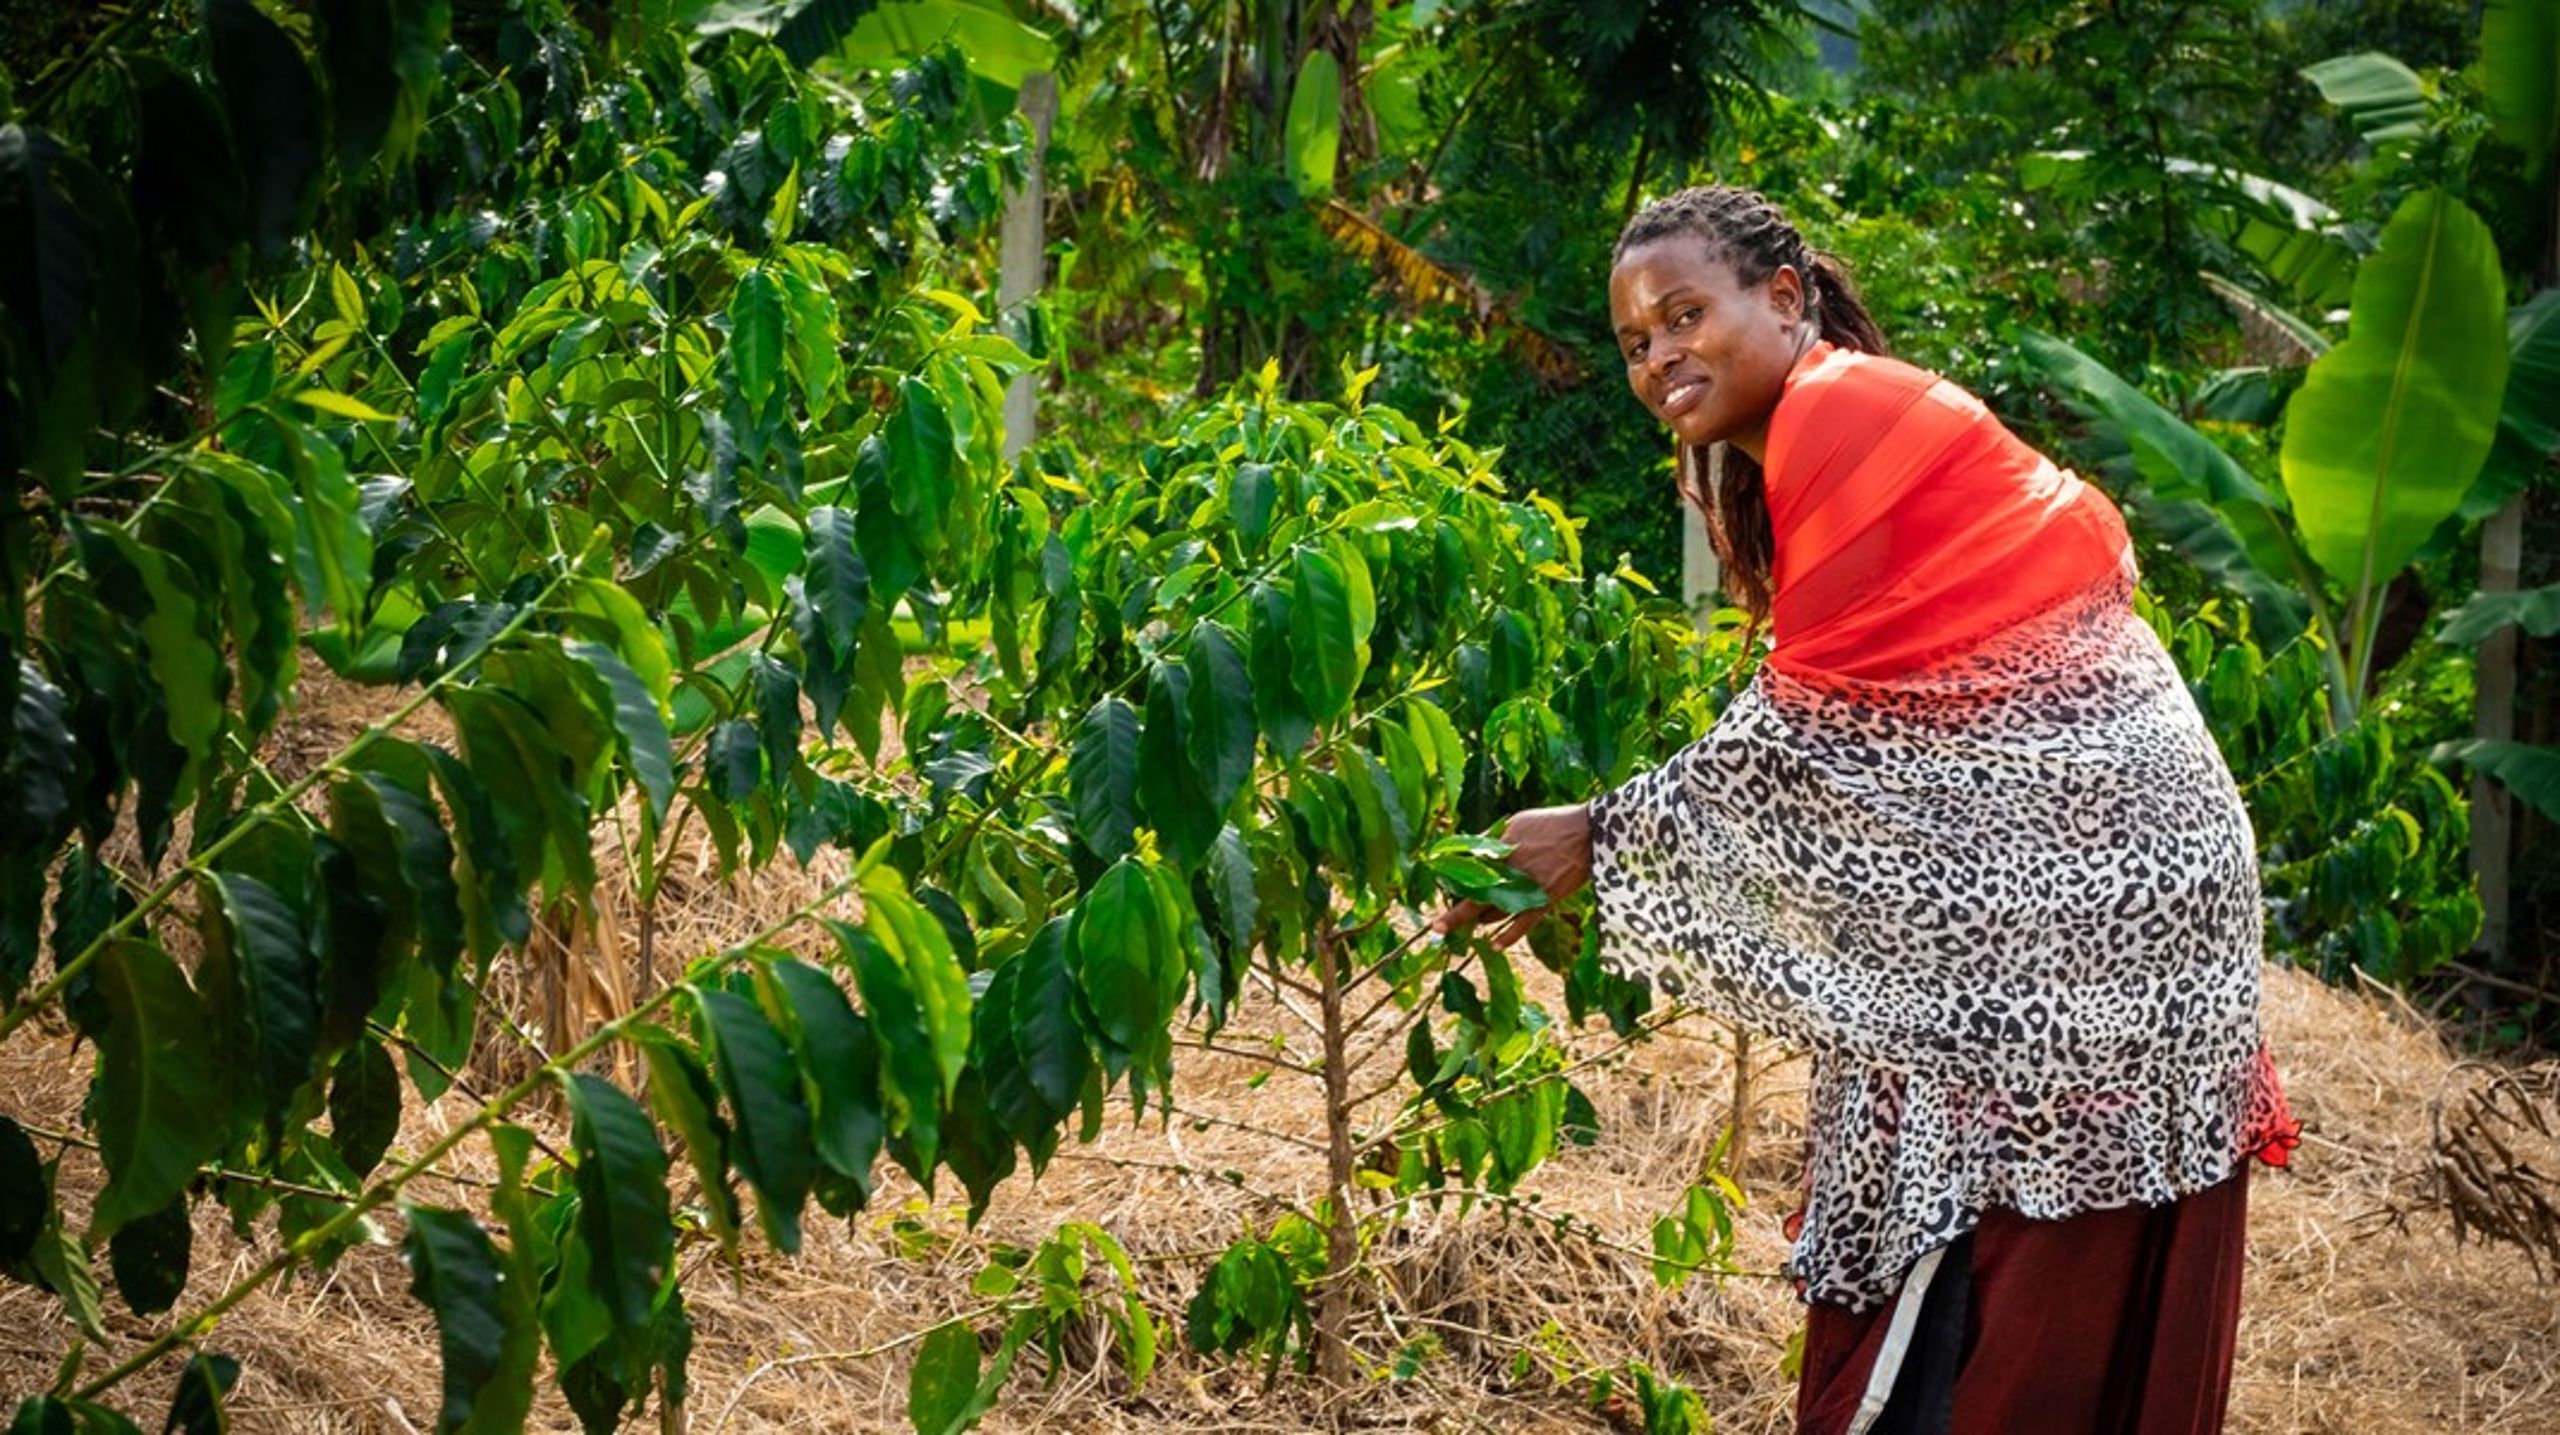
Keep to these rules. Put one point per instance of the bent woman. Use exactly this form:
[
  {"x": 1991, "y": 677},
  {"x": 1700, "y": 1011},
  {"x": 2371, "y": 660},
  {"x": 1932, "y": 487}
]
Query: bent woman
[{"x": 1966, "y": 840}]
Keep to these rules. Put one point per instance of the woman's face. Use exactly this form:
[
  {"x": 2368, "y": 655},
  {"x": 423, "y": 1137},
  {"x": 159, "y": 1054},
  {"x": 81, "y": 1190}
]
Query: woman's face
[{"x": 1705, "y": 354}]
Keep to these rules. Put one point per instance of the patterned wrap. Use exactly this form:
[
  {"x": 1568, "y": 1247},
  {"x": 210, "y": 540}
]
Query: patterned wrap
[{"x": 1998, "y": 881}]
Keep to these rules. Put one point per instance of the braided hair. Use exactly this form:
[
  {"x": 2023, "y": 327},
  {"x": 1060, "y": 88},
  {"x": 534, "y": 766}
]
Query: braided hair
[{"x": 1743, "y": 230}]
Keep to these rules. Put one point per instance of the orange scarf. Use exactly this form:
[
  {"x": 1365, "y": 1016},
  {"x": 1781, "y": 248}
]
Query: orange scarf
[{"x": 1911, "y": 526}]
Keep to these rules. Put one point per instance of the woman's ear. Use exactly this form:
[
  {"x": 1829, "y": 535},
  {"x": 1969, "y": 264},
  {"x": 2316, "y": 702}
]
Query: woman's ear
[{"x": 1786, "y": 292}]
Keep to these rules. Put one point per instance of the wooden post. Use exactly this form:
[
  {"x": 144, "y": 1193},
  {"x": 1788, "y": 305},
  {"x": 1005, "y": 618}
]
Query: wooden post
[
  {"x": 1700, "y": 574},
  {"x": 2493, "y": 816},
  {"x": 1025, "y": 258}
]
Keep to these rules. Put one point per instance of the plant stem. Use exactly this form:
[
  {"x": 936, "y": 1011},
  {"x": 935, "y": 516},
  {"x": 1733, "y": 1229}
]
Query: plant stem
[{"x": 1342, "y": 1238}]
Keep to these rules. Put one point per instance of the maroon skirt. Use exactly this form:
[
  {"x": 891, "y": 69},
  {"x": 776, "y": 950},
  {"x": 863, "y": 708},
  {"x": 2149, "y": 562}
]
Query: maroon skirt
[{"x": 2115, "y": 1322}]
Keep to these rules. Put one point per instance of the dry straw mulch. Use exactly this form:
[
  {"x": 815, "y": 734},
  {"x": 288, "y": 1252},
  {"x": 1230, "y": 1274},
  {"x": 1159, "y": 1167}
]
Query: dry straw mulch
[{"x": 2364, "y": 1313}]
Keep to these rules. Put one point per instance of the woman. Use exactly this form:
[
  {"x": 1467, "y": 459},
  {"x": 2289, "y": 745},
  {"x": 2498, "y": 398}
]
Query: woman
[{"x": 1965, "y": 839}]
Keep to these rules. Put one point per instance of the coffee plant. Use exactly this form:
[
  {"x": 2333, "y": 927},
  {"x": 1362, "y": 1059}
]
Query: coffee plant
[{"x": 647, "y": 459}]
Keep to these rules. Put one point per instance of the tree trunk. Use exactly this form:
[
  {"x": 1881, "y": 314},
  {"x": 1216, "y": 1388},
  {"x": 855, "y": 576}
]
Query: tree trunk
[{"x": 1025, "y": 260}]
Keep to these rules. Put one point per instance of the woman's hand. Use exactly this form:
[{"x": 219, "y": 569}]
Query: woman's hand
[{"x": 1549, "y": 845}]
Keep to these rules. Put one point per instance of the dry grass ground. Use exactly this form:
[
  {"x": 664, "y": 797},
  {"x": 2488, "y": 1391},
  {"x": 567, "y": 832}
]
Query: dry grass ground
[{"x": 2357, "y": 1320}]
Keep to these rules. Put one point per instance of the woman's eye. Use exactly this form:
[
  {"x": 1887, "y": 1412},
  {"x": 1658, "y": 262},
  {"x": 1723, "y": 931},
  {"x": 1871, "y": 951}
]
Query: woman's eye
[
  {"x": 1685, "y": 318},
  {"x": 1635, "y": 352}
]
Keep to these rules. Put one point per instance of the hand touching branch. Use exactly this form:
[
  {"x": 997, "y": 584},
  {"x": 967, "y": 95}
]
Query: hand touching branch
[{"x": 1549, "y": 845}]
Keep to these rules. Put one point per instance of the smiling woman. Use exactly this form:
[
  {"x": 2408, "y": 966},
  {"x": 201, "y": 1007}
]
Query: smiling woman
[{"x": 1967, "y": 840}]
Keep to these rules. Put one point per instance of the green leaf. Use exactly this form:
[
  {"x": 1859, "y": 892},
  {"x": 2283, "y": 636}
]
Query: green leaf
[
  {"x": 839, "y": 586},
  {"x": 485, "y": 1330},
  {"x": 622, "y": 1197},
  {"x": 910, "y": 1075},
  {"x": 343, "y": 406},
  {"x": 2520, "y": 73},
  {"x": 756, "y": 327},
  {"x": 148, "y": 1256},
  {"x": 2529, "y": 414},
  {"x": 26, "y": 1195},
  {"x": 1326, "y": 655},
  {"x": 921, "y": 946},
  {"x": 274, "y": 108},
  {"x": 639, "y": 724},
  {"x": 771, "y": 1122},
  {"x": 158, "y": 1109},
  {"x": 1251, "y": 498},
  {"x": 1314, "y": 132},
  {"x": 998, "y": 48},
  {"x": 2389, "y": 428},
  {"x": 2228, "y": 515},
  {"x": 364, "y": 1106},
  {"x": 1027, "y": 1019},
  {"x": 733, "y": 760},
  {"x": 1127, "y": 962},
  {"x": 2384, "y": 99},
  {"x": 1102, "y": 779},
  {"x": 1231, "y": 888},
  {"x": 203, "y": 1383},
  {"x": 921, "y": 460},
  {"x": 681, "y": 1094},
  {"x": 942, "y": 1388},
  {"x": 891, "y": 550},
  {"x": 839, "y": 1065},
  {"x": 2531, "y": 773},
  {"x": 1221, "y": 714},
  {"x": 1170, "y": 796},
  {"x": 2537, "y": 610},
  {"x": 261, "y": 995}
]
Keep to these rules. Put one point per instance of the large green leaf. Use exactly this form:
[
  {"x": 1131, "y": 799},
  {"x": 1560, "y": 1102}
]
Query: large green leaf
[
  {"x": 26, "y": 1194},
  {"x": 2536, "y": 610},
  {"x": 2530, "y": 772},
  {"x": 911, "y": 1086},
  {"x": 681, "y": 1094},
  {"x": 1220, "y": 717},
  {"x": 159, "y": 1108},
  {"x": 921, "y": 461},
  {"x": 2529, "y": 413},
  {"x": 839, "y": 587},
  {"x": 1129, "y": 966},
  {"x": 1325, "y": 649},
  {"x": 261, "y": 995},
  {"x": 2216, "y": 511},
  {"x": 148, "y": 1256},
  {"x": 485, "y": 1329},
  {"x": 2520, "y": 70},
  {"x": 1029, "y": 1044},
  {"x": 1170, "y": 794},
  {"x": 622, "y": 1197},
  {"x": 771, "y": 1120},
  {"x": 639, "y": 725},
  {"x": 2384, "y": 99},
  {"x": 1314, "y": 133},
  {"x": 756, "y": 328},
  {"x": 274, "y": 107},
  {"x": 942, "y": 1386},
  {"x": 839, "y": 1065},
  {"x": 921, "y": 945},
  {"x": 1102, "y": 778},
  {"x": 998, "y": 48},
  {"x": 364, "y": 1106},
  {"x": 2389, "y": 428}
]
